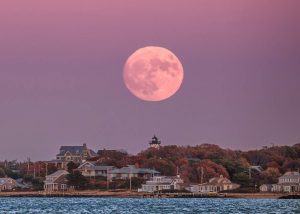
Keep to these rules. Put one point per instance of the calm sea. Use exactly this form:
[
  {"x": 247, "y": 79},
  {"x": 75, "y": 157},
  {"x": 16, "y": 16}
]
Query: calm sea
[{"x": 131, "y": 205}]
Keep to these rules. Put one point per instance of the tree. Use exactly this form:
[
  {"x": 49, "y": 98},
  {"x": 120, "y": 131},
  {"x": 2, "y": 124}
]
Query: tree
[
  {"x": 209, "y": 169},
  {"x": 241, "y": 178},
  {"x": 166, "y": 167},
  {"x": 291, "y": 165},
  {"x": 2, "y": 173},
  {"x": 51, "y": 168},
  {"x": 269, "y": 176},
  {"x": 77, "y": 180},
  {"x": 71, "y": 166}
]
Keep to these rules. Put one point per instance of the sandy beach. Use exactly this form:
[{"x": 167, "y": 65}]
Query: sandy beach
[{"x": 122, "y": 194}]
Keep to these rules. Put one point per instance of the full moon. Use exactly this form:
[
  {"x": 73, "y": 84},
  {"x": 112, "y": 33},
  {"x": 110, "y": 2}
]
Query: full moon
[{"x": 153, "y": 73}]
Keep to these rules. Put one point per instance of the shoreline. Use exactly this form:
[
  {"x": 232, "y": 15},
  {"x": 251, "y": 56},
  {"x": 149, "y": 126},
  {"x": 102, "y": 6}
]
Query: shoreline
[{"x": 128, "y": 194}]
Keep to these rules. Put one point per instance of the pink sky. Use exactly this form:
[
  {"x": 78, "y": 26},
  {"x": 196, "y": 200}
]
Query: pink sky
[{"x": 61, "y": 74}]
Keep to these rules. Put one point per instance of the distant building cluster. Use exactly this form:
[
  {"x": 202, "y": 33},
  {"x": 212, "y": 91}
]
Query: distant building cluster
[
  {"x": 90, "y": 166},
  {"x": 154, "y": 181}
]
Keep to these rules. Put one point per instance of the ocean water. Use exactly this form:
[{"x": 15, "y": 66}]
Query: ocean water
[{"x": 149, "y": 205}]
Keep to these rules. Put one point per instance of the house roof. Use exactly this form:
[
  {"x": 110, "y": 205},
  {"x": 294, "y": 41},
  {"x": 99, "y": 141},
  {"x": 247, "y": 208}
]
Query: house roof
[
  {"x": 219, "y": 180},
  {"x": 58, "y": 173},
  {"x": 97, "y": 168},
  {"x": 103, "y": 167},
  {"x": 290, "y": 175},
  {"x": 5, "y": 180},
  {"x": 55, "y": 161},
  {"x": 75, "y": 150},
  {"x": 94, "y": 165},
  {"x": 131, "y": 169}
]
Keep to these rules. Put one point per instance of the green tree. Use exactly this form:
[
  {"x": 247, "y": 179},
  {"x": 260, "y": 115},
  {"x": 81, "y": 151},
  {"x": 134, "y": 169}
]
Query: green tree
[
  {"x": 77, "y": 180},
  {"x": 2, "y": 173},
  {"x": 71, "y": 166}
]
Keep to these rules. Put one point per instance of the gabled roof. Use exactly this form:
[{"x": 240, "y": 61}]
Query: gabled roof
[
  {"x": 93, "y": 165},
  {"x": 257, "y": 168},
  {"x": 219, "y": 180},
  {"x": 6, "y": 180},
  {"x": 58, "y": 173},
  {"x": 75, "y": 151}
]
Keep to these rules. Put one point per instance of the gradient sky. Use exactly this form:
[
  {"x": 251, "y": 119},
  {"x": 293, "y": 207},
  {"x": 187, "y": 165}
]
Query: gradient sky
[{"x": 61, "y": 80}]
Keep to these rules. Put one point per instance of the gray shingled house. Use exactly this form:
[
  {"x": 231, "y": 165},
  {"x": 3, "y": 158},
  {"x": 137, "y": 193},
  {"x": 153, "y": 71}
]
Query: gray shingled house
[
  {"x": 76, "y": 154},
  {"x": 57, "y": 181}
]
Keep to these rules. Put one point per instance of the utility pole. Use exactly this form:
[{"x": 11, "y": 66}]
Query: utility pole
[
  {"x": 249, "y": 173},
  {"x": 249, "y": 176},
  {"x": 46, "y": 169},
  {"x": 130, "y": 179},
  {"x": 34, "y": 170},
  {"x": 28, "y": 162},
  {"x": 201, "y": 179},
  {"x": 107, "y": 179}
]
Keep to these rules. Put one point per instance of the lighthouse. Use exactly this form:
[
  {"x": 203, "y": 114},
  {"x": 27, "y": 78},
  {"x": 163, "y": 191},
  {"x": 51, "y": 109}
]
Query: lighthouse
[{"x": 154, "y": 143}]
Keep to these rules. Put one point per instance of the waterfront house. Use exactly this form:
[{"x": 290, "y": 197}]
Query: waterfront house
[
  {"x": 7, "y": 184},
  {"x": 57, "y": 181},
  {"x": 289, "y": 182},
  {"x": 160, "y": 183},
  {"x": 266, "y": 188},
  {"x": 216, "y": 184},
  {"x": 92, "y": 169},
  {"x": 131, "y": 171},
  {"x": 193, "y": 188},
  {"x": 76, "y": 154}
]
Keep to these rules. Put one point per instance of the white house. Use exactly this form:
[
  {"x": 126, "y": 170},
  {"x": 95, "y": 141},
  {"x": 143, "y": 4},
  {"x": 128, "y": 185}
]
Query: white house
[
  {"x": 159, "y": 183},
  {"x": 216, "y": 184},
  {"x": 193, "y": 188},
  {"x": 56, "y": 181},
  {"x": 266, "y": 188},
  {"x": 289, "y": 182},
  {"x": 91, "y": 169},
  {"x": 131, "y": 171}
]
